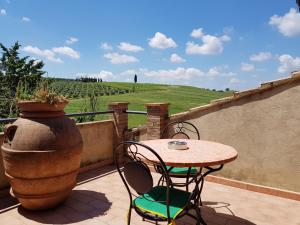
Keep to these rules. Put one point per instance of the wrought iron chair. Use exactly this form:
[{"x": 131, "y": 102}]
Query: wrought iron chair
[
  {"x": 186, "y": 130},
  {"x": 181, "y": 130},
  {"x": 156, "y": 203}
]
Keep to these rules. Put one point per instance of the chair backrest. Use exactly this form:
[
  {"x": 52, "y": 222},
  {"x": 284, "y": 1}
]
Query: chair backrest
[
  {"x": 181, "y": 130},
  {"x": 136, "y": 172}
]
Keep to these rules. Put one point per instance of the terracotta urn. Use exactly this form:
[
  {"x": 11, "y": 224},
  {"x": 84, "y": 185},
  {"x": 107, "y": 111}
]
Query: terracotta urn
[{"x": 41, "y": 154}]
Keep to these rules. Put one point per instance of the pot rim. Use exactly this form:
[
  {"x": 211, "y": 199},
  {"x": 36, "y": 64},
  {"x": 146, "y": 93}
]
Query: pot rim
[{"x": 35, "y": 106}]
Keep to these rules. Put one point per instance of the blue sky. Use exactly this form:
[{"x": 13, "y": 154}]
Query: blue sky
[{"x": 211, "y": 44}]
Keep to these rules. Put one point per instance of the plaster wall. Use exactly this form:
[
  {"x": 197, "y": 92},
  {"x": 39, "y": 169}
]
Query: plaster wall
[
  {"x": 98, "y": 141},
  {"x": 265, "y": 130},
  {"x": 3, "y": 181}
]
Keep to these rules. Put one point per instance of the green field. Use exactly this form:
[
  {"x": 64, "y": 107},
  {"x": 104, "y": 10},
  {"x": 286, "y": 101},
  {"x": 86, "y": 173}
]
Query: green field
[{"x": 181, "y": 98}]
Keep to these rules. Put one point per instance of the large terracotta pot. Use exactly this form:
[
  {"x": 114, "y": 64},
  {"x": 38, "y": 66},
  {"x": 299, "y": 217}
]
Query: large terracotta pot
[{"x": 41, "y": 154}]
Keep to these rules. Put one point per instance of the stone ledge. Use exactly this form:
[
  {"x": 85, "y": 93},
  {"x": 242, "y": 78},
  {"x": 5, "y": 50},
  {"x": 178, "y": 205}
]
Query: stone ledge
[{"x": 254, "y": 187}]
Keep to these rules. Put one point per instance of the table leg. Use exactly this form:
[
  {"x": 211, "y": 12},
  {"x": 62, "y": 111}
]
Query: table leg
[
  {"x": 202, "y": 176},
  {"x": 198, "y": 190}
]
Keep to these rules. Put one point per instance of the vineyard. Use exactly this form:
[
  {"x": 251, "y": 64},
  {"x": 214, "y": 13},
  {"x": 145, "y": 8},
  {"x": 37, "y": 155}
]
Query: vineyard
[{"x": 76, "y": 89}]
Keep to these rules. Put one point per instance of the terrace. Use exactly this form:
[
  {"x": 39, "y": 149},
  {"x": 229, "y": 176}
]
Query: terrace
[
  {"x": 260, "y": 187},
  {"x": 100, "y": 198}
]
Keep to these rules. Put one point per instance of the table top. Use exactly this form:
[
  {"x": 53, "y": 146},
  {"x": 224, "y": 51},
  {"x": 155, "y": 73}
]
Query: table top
[{"x": 200, "y": 153}]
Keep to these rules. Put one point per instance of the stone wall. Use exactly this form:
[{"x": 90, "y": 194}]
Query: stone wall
[{"x": 98, "y": 140}]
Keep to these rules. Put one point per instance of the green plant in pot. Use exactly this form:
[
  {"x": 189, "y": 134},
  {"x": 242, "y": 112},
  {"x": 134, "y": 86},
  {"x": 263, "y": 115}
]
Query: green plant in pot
[{"x": 41, "y": 149}]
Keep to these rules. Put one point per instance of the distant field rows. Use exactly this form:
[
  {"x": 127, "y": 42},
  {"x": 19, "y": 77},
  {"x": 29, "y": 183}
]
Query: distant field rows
[{"x": 181, "y": 98}]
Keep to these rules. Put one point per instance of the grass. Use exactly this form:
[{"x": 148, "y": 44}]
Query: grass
[{"x": 181, "y": 98}]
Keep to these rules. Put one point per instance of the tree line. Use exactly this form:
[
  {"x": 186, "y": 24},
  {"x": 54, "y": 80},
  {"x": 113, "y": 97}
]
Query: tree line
[{"x": 88, "y": 79}]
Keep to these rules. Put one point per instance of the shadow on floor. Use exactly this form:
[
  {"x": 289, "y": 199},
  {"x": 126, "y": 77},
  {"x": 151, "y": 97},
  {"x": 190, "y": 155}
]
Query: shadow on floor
[
  {"x": 7, "y": 203},
  {"x": 80, "y": 206},
  {"x": 211, "y": 216},
  {"x": 95, "y": 174}
]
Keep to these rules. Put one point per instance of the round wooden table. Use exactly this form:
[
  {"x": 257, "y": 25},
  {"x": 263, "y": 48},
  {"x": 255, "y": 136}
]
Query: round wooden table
[{"x": 199, "y": 153}]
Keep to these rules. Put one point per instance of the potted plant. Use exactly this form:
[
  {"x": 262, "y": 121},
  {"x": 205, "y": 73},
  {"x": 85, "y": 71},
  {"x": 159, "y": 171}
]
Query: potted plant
[{"x": 41, "y": 150}]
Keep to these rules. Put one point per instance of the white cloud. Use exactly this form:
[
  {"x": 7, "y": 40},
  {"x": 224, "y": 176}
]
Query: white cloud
[
  {"x": 104, "y": 74},
  {"x": 211, "y": 45},
  {"x": 66, "y": 51},
  {"x": 288, "y": 63},
  {"x": 234, "y": 80},
  {"x": 131, "y": 72},
  {"x": 116, "y": 58},
  {"x": 288, "y": 24},
  {"x": 125, "y": 46},
  {"x": 225, "y": 38},
  {"x": 71, "y": 40},
  {"x": 161, "y": 41},
  {"x": 261, "y": 56},
  {"x": 2, "y": 12},
  {"x": 50, "y": 54},
  {"x": 220, "y": 71},
  {"x": 174, "y": 58},
  {"x": 197, "y": 33},
  {"x": 228, "y": 30},
  {"x": 46, "y": 53},
  {"x": 246, "y": 67},
  {"x": 128, "y": 72},
  {"x": 106, "y": 46},
  {"x": 212, "y": 72},
  {"x": 26, "y": 19},
  {"x": 177, "y": 74}
]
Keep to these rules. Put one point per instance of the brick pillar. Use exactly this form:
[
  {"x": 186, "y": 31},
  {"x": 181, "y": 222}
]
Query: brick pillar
[
  {"x": 120, "y": 118},
  {"x": 157, "y": 119}
]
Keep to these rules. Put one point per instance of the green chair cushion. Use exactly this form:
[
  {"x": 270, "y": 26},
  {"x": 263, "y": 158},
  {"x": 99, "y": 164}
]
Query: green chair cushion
[
  {"x": 182, "y": 170},
  {"x": 154, "y": 201}
]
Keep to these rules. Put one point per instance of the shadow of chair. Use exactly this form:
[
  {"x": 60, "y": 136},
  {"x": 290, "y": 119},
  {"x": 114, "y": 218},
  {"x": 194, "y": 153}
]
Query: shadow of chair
[{"x": 211, "y": 216}]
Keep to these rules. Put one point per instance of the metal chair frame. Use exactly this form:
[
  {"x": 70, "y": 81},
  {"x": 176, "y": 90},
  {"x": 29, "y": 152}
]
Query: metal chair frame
[
  {"x": 130, "y": 153},
  {"x": 181, "y": 127}
]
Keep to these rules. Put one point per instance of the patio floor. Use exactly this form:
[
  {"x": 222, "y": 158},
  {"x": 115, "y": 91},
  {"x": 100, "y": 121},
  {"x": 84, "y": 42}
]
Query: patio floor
[{"x": 100, "y": 198}]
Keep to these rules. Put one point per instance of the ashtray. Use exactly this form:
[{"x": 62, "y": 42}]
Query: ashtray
[{"x": 177, "y": 145}]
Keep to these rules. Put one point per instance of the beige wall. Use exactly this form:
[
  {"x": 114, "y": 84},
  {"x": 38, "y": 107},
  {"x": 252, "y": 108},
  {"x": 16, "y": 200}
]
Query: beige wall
[
  {"x": 265, "y": 130},
  {"x": 3, "y": 181},
  {"x": 98, "y": 138}
]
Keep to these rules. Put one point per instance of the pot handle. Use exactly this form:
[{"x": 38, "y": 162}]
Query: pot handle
[{"x": 9, "y": 132}]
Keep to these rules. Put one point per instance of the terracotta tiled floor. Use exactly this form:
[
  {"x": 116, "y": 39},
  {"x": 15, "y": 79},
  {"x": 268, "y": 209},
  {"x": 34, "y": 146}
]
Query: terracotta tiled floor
[{"x": 101, "y": 199}]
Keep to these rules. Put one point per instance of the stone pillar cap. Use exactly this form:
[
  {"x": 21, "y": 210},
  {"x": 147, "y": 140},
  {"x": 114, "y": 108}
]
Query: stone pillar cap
[
  {"x": 118, "y": 103},
  {"x": 157, "y": 104}
]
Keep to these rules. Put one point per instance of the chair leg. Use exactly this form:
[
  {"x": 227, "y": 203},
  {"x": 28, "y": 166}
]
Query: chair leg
[
  {"x": 129, "y": 216},
  {"x": 200, "y": 219},
  {"x": 200, "y": 201}
]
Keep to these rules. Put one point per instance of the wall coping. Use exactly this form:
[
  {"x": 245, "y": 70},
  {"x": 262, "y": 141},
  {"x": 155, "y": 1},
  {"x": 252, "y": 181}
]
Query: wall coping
[
  {"x": 94, "y": 122},
  {"x": 266, "y": 86},
  {"x": 157, "y": 104}
]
